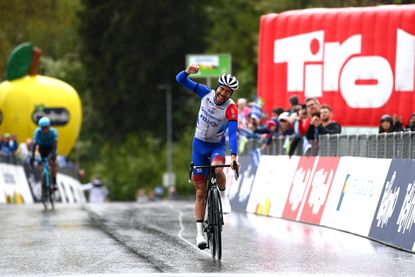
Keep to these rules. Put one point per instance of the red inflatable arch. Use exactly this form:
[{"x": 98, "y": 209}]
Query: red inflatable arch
[{"x": 360, "y": 61}]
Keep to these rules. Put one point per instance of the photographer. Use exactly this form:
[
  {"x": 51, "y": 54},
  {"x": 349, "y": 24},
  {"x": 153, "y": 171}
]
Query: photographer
[
  {"x": 297, "y": 138},
  {"x": 307, "y": 125},
  {"x": 323, "y": 123}
]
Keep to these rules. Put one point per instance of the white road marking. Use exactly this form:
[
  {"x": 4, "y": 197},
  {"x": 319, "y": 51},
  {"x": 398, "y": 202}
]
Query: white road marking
[{"x": 179, "y": 234}]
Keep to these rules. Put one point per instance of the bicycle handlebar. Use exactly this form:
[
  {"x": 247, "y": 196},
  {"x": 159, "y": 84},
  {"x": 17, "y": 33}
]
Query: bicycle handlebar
[{"x": 234, "y": 167}]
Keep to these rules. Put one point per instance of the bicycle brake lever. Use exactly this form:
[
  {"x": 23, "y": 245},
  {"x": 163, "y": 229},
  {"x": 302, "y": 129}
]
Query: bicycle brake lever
[{"x": 236, "y": 170}]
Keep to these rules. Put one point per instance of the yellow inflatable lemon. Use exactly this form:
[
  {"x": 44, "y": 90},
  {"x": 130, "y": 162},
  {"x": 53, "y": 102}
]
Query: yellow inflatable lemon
[{"x": 25, "y": 99}]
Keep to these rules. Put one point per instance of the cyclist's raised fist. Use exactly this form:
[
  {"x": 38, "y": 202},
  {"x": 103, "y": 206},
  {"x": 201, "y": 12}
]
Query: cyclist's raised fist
[{"x": 192, "y": 69}]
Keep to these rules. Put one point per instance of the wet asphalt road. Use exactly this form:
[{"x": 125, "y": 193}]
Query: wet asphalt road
[{"x": 157, "y": 238}]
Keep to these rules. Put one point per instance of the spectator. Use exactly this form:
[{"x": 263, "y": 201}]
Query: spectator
[
  {"x": 81, "y": 174},
  {"x": 158, "y": 193},
  {"x": 253, "y": 121},
  {"x": 298, "y": 137},
  {"x": 271, "y": 132},
  {"x": 247, "y": 130},
  {"x": 242, "y": 115},
  {"x": 293, "y": 104},
  {"x": 13, "y": 144},
  {"x": 313, "y": 114},
  {"x": 97, "y": 191},
  {"x": 25, "y": 150},
  {"x": 389, "y": 124},
  {"x": 325, "y": 125},
  {"x": 141, "y": 195},
  {"x": 305, "y": 128},
  {"x": 285, "y": 126},
  {"x": 8, "y": 148},
  {"x": 243, "y": 108},
  {"x": 411, "y": 123},
  {"x": 257, "y": 111},
  {"x": 276, "y": 113}
]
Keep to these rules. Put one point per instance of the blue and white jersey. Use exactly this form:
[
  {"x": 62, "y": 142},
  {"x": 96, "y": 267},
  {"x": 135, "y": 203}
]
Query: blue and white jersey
[{"x": 213, "y": 119}]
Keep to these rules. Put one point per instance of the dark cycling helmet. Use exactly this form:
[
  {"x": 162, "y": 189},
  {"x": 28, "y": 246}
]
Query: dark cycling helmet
[
  {"x": 44, "y": 122},
  {"x": 229, "y": 81}
]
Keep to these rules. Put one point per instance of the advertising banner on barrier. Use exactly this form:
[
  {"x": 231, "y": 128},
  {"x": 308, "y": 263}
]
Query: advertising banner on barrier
[
  {"x": 69, "y": 190},
  {"x": 355, "y": 193},
  {"x": 239, "y": 191},
  {"x": 272, "y": 184},
  {"x": 310, "y": 188},
  {"x": 395, "y": 213},
  {"x": 13, "y": 185}
]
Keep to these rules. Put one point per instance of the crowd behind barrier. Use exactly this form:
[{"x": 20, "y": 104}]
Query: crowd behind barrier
[
  {"x": 309, "y": 129},
  {"x": 296, "y": 164},
  {"x": 396, "y": 145}
]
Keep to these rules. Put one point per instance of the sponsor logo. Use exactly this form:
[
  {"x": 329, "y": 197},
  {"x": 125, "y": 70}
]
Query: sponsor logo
[
  {"x": 344, "y": 190},
  {"x": 395, "y": 213},
  {"x": 211, "y": 110},
  {"x": 57, "y": 116},
  {"x": 364, "y": 81},
  {"x": 9, "y": 179},
  {"x": 310, "y": 188},
  {"x": 240, "y": 190},
  {"x": 388, "y": 203},
  {"x": 205, "y": 119},
  {"x": 406, "y": 216},
  {"x": 233, "y": 113}
]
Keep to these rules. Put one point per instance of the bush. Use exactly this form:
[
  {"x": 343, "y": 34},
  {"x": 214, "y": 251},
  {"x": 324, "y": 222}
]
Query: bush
[{"x": 136, "y": 163}]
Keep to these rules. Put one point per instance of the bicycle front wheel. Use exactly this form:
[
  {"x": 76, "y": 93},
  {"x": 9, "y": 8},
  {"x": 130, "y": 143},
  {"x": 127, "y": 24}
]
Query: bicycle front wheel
[
  {"x": 45, "y": 193},
  {"x": 216, "y": 224},
  {"x": 51, "y": 198}
]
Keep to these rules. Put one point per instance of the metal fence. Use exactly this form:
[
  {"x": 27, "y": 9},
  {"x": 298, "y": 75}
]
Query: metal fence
[{"x": 399, "y": 145}]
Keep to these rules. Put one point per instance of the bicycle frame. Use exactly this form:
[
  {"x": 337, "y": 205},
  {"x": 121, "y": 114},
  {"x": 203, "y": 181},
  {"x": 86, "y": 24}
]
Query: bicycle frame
[
  {"x": 45, "y": 170},
  {"x": 47, "y": 191}
]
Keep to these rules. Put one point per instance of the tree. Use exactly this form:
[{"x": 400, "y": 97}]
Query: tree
[
  {"x": 47, "y": 24},
  {"x": 128, "y": 49}
]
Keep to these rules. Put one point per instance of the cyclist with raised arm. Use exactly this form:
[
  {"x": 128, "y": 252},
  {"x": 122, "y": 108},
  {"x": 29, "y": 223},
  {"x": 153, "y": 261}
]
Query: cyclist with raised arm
[
  {"x": 217, "y": 113},
  {"x": 46, "y": 140}
]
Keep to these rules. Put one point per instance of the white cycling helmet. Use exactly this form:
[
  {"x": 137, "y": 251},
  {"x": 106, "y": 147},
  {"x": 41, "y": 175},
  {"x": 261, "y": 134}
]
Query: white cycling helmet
[{"x": 229, "y": 80}]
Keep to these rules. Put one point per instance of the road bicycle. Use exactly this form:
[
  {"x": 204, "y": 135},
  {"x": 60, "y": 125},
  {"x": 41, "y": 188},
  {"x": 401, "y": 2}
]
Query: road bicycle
[
  {"x": 47, "y": 190},
  {"x": 213, "y": 221}
]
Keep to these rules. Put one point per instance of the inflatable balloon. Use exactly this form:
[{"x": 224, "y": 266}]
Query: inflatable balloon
[{"x": 25, "y": 97}]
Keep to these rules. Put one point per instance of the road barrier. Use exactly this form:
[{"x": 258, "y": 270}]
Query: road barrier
[
  {"x": 370, "y": 197},
  {"x": 21, "y": 185}
]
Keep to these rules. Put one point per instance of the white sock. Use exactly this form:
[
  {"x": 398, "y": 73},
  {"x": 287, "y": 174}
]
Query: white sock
[{"x": 199, "y": 226}]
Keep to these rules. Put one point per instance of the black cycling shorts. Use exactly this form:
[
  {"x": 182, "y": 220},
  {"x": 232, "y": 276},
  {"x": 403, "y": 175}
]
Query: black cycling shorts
[{"x": 45, "y": 150}]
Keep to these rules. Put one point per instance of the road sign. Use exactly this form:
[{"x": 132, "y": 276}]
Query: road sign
[{"x": 210, "y": 65}]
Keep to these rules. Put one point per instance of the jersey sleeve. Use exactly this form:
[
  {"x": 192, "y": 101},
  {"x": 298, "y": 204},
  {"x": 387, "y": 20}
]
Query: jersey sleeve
[
  {"x": 233, "y": 136},
  {"x": 55, "y": 135},
  {"x": 232, "y": 113},
  {"x": 183, "y": 79},
  {"x": 36, "y": 137}
]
